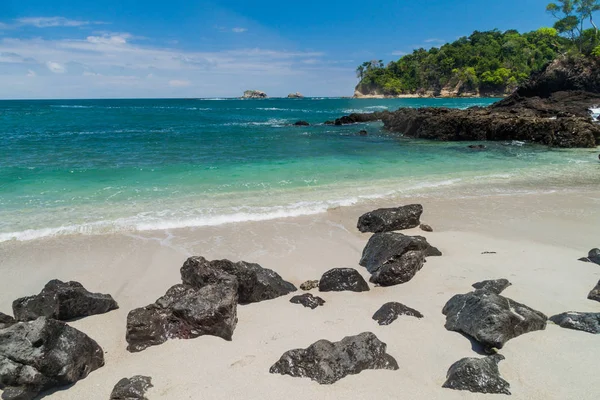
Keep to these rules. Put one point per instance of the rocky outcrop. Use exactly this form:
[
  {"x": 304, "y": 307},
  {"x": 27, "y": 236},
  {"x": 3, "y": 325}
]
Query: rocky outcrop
[
  {"x": 44, "y": 354},
  {"x": 301, "y": 123},
  {"x": 595, "y": 293},
  {"x": 296, "y": 95},
  {"x": 6, "y": 321},
  {"x": 255, "y": 283},
  {"x": 309, "y": 285},
  {"x": 185, "y": 312},
  {"x": 491, "y": 319},
  {"x": 401, "y": 270},
  {"x": 478, "y": 375},
  {"x": 254, "y": 94},
  {"x": 308, "y": 300},
  {"x": 593, "y": 257},
  {"x": 327, "y": 362},
  {"x": 579, "y": 321},
  {"x": 386, "y": 249},
  {"x": 391, "y": 219},
  {"x": 495, "y": 286},
  {"x": 133, "y": 388},
  {"x": 389, "y": 312},
  {"x": 343, "y": 279},
  {"x": 63, "y": 301}
]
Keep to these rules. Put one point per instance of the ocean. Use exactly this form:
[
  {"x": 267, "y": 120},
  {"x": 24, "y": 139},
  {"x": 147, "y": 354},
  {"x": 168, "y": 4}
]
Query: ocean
[{"x": 105, "y": 166}]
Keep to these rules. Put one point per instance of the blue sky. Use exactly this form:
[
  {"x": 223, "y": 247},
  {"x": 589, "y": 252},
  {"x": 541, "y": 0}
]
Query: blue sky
[{"x": 177, "y": 48}]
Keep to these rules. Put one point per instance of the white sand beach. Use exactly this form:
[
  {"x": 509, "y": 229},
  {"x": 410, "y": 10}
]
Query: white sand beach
[{"x": 537, "y": 239}]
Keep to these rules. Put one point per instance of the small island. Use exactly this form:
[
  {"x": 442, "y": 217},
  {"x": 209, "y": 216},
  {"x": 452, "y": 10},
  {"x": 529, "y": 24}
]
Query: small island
[
  {"x": 296, "y": 95},
  {"x": 254, "y": 94}
]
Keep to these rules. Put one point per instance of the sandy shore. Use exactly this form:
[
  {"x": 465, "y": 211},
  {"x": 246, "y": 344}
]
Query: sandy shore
[{"x": 537, "y": 237}]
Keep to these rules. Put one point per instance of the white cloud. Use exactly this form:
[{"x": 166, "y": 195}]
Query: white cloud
[
  {"x": 179, "y": 83},
  {"x": 55, "y": 67},
  {"x": 51, "y": 22},
  {"x": 239, "y": 30},
  {"x": 31, "y": 73},
  {"x": 398, "y": 53},
  {"x": 434, "y": 40},
  {"x": 116, "y": 39}
]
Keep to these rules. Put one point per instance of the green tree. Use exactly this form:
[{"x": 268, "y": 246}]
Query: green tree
[{"x": 571, "y": 16}]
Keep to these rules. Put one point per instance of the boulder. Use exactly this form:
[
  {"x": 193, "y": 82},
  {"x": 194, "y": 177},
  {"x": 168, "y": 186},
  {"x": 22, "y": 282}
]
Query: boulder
[
  {"x": 63, "y": 301},
  {"x": 308, "y": 300},
  {"x": 391, "y": 219},
  {"x": 44, "y": 354},
  {"x": 254, "y": 94},
  {"x": 301, "y": 123},
  {"x": 329, "y": 123},
  {"x": 496, "y": 286},
  {"x": 389, "y": 312},
  {"x": 185, "y": 312},
  {"x": 593, "y": 256},
  {"x": 478, "y": 375},
  {"x": 6, "y": 321},
  {"x": 133, "y": 388},
  {"x": 477, "y": 147},
  {"x": 579, "y": 321},
  {"x": 595, "y": 293},
  {"x": 296, "y": 95},
  {"x": 401, "y": 270},
  {"x": 387, "y": 248},
  {"x": 490, "y": 318},
  {"x": 255, "y": 283},
  {"x": 343, "y": 279},
  {"x": 309, "y": 285},
  {"x": 426, "y": 228},
  {"x": 327, "y": 362},
  {"x": 363, "y": 133}
]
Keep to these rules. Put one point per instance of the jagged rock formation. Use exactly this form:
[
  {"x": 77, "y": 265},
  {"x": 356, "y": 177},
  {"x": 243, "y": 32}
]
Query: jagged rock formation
[
  {"x": 133, "y": 388},
  {"x": 478, "y": 375},
  {"x": 327, "y": 362},
  {"x": 254, "y": 94},
  {"x": 308, "y": 300},
  {"x": 391, "y": 219},
  {"x": 296, "y": 95},
  {"x": 44, "y": 354},
  {"x": 63, "y": 301},
  {"x": 579, "y": 321},
  {"x": 343, "y": 279},
  {"x": 6, "y": 321},
  {"x": 496, "y": 286},
  {"x": 595, "y": 293},
  {"x": 389, "y": 312}
]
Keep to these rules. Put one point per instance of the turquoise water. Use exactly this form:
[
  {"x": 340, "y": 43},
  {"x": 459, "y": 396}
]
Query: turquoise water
[{"x": 99, "y": 166}]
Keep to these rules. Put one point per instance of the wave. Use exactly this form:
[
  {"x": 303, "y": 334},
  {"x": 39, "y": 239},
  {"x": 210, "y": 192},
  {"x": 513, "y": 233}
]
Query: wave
[{"x": 274, "y": 122}]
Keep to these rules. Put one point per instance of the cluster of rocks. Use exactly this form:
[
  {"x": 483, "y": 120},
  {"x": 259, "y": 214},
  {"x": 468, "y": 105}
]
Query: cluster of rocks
[
  {"x": 296, "y": 95},
  {"x": 254, "y": 94}
]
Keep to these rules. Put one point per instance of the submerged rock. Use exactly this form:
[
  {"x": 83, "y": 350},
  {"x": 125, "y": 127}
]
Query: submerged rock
[
  {"x": 593, "y": 257},
  {"x": 6, "y": 321},
  {"x": 185, "y": 312},
  {"x": 363, "y": 132},
  {"x": 478, "y": 375},
  {"x": 308, "y": 300},
  {"x": 343, "y": 279},
  {"x": 254, "y": 94},
  {"x": 63, "y": 301},
  {"x": 426, "y": 228},
  {"x": 309, "y": 285},
  {"x": 389, "y": 312},
  {"x": 391, "y": 219},
  {"x": 579, "y": 321},
  {"x": 490, "y": 318},
  {"x": 44, "y": 354},
  {"x": 401, "y": 270},
  {"x": 477, "y": 146},
  {"x": 387, "y": 248},
  {"x": 496, "y": 286},
  {"x": 255, "y": 283},
  {"x": 327, "y": 362},
  {"x": 301, "y": 123},
  {"x": 133, "y": 388},
  {"x": 595, "y": 293}
]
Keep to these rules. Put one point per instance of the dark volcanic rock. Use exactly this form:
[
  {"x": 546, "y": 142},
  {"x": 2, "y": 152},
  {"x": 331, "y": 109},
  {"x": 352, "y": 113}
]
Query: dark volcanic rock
[
  {"x": 477, "y": 146},
  {"x": 309, "y": 285},
  {"x": 342, "y": 279},
  {"x": 255, "y": 282},
  {"x": 593, "y": 257},
  {"x": 389, "y": 312},
  {"x": 133, "y": 388},
  {"x": 359, "y": 118},
  {"x": 363, "y": 132},
  {"x": 6, "y": 321},
  {"x": 579, "y": 321},
  {"x": 44, "y": 354},
  {"x": 301, "y": 123},
  {"x": 401, "y": 270},
  {"x": 391, "y": 219},
  {"x": 184, "y": 312},
  {"x": 426, "y": 228},
  {"x": 490, "y": 318},
  {"x": 595, "y": 293},
  {"x": 327, "y": 362},
  {"x": 496, "y": 286},
  {"x": 308, "y": 300},
  {"x": 63, "y": 301},
  {"x": 479, "y": 375},
  {"x": 387, "y": 248}
]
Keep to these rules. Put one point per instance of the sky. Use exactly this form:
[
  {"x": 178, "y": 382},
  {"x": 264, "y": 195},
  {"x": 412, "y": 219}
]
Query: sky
[{"x": 185, "y": 48}]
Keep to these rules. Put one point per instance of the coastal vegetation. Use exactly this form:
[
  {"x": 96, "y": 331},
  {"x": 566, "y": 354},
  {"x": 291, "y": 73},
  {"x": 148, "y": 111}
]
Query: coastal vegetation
[{"x": 487, "y": 63}]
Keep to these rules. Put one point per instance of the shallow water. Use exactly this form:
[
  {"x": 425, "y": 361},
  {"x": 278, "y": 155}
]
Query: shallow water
[{"x": 99, "y": 166}]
